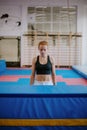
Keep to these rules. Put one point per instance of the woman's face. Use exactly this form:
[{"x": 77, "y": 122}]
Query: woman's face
[{"x": 43, "y": 50}]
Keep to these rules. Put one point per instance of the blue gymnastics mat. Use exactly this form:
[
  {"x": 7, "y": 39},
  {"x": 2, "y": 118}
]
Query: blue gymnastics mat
[{"x": 38, "y": 91}]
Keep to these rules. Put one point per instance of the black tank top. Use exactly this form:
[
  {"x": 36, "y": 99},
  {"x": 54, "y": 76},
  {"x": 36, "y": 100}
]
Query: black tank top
[{"x": 43, "y": 68}]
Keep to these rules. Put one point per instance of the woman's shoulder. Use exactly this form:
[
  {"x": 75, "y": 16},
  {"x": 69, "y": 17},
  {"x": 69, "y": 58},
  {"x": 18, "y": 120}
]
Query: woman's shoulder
[
  {"x": 51, "y": 59},
  {"x": 35, "y": 59}
]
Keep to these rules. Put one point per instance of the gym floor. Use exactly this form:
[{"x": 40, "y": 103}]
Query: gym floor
[{"x": 21, "y": 76}]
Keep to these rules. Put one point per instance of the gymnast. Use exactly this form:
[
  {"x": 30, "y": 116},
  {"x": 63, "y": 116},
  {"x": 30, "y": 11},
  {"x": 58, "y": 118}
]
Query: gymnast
[{"x": 43, "y": 67}]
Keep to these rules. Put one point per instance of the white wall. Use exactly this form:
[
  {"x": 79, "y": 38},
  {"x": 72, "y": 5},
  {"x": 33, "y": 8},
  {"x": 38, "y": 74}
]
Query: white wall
[
  {"x": 84, "y": 40},
  {"x": 10, "y": 27},
  {"x": 19, "y": 9}
]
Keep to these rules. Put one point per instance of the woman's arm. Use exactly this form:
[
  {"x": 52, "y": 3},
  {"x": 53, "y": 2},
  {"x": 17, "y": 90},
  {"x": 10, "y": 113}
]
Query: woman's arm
[
  {"x": 33, "y": 71},
  {"x": 53, "y": 71}
]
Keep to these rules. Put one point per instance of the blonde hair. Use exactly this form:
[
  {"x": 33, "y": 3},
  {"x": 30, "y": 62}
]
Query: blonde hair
[{"x": 42, "y": 43}]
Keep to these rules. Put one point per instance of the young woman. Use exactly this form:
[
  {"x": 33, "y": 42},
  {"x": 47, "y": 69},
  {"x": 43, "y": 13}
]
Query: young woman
[{"x": 43, "y": 67}]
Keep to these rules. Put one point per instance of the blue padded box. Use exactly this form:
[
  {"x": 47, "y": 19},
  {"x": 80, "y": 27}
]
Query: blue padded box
[{"x": 2, "y": 65}]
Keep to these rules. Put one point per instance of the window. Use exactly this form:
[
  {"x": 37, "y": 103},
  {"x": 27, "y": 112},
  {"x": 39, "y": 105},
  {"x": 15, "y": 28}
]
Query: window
[{"x": 52, "y": 19}]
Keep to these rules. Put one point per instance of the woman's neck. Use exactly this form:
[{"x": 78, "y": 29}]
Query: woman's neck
[{"x": 45, "y": 56}]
